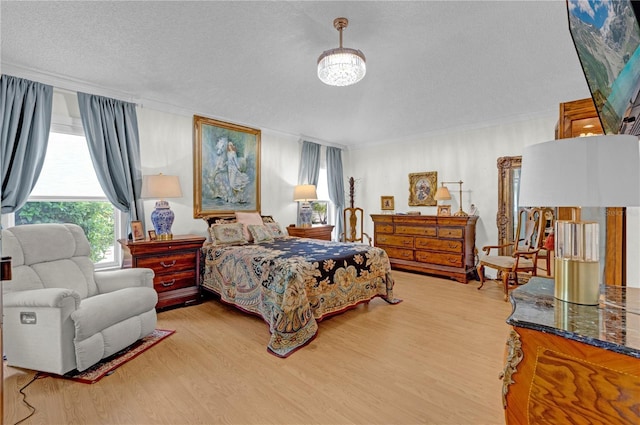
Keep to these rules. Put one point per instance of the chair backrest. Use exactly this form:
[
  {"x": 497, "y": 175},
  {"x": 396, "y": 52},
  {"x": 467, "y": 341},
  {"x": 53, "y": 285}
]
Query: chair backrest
[
  {"x": 353, "y": 225},
  {"x": 49, "y": 256},
  {"x": 530, "y": 229}
]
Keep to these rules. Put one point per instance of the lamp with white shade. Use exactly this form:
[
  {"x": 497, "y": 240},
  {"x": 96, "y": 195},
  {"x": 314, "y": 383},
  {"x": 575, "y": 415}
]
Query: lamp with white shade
[
  {"x": 596, "y": 171},
  {"x": 160, "y": 186},
  {"x": 304, "y": 193}
]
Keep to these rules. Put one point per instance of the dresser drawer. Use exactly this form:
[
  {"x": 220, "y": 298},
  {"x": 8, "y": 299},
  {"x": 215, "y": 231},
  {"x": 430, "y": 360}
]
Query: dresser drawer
[
  {"x": 400, "y": 254},
  {"x": 168, "y": 263},
  {"x": 449, "y": 232},
  {"x": 384, "y": 228},
  {"x": 441, "y": 258},
  {"x": 169, "y": 282},
  {"x": 415, "y": 230},
  {"x": 439, "y": 244},
  {"x": 392, "y": 240}
]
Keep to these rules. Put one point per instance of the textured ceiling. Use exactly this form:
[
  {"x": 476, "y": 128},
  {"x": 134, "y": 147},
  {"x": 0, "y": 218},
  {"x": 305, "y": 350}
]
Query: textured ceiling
[{"x": 431, "y": 66}]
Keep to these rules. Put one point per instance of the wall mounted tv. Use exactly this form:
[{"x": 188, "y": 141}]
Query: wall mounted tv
[{"x": 607, "y": 39}]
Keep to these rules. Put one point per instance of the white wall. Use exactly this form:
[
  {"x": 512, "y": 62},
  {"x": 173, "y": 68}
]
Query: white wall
[{"x": 470, "y": 155}]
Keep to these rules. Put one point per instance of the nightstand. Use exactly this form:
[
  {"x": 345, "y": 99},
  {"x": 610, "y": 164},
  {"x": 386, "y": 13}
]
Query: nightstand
[
  {"x": 176, "y": 264},
  {"x": 322, "y": 231}
]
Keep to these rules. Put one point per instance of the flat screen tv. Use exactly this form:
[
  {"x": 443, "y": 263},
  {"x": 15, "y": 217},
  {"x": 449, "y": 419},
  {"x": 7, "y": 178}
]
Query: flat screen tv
[{"x": 607, "y": 39}]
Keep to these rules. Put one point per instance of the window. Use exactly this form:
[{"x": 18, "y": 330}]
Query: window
[{"x": 68, "y": 191}]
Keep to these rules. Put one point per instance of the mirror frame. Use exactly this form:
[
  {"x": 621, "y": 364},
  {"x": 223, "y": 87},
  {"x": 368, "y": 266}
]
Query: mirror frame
[{"x": 504, "y": 217}]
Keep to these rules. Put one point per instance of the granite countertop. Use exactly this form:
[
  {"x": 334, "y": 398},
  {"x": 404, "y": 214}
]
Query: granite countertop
[{"x": 613, "y": 325}]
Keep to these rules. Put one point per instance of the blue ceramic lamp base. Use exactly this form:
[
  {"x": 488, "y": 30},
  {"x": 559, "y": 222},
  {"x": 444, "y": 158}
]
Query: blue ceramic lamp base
[{"x": 162, "y": 219}]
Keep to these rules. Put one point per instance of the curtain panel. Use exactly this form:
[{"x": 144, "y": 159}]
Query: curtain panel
[
  {"x": 25, "y": 120},
  {"x": 335, "y": 181},
  {"x": 309, "y": 163},
  {"x": 111, "y": 128}
]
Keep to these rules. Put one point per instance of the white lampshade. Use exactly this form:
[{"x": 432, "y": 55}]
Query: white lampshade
[
  {"x": 304, "y": 193},
  {"x": 160, "y": 186},
  {"x": 596, "y": 171}
]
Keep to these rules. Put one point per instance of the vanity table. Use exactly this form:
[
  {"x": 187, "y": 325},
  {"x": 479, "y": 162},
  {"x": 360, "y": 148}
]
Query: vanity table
[{"x": 570, "y": 363}]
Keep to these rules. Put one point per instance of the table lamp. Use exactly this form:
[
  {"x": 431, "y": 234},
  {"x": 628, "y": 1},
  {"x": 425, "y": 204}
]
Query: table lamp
[
  {"x": 443, "y": 194},
  {"x": 160, "y": 187},
  {"x": 304, "y": 193},
  {"x": 595, "y": 171}
]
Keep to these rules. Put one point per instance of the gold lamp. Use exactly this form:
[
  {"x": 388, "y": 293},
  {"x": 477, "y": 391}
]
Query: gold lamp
[
  {"x": 304, "y": 193},
  {"x": 596, "y": 171},
  {"x": 443, "y": 194},
  {"x": 161, "y": 187}
]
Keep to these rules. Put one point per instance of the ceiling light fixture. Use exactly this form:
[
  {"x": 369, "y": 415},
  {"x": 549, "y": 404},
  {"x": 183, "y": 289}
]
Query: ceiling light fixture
[{"x": 342, "y": 66}]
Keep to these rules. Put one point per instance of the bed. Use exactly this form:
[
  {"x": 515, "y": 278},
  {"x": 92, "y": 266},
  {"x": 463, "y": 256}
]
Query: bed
[{"x": 292, "y": 283}]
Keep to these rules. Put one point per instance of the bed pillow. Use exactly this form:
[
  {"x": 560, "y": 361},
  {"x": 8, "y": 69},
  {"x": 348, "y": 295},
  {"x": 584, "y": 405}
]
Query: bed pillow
[
  {"x": 228, "y": 234},
  {"x": 276, "y": 230},
  {"x": 248, "y": 218},
  {"x": 260, "y": 233}
]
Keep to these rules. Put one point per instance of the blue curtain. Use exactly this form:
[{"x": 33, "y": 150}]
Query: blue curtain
[
  {"x": 335, "y": 181},
  {"x": 309, "y": 163},
  {"x": 25, "y": 119},
  {"x": 111, "y": 128}
]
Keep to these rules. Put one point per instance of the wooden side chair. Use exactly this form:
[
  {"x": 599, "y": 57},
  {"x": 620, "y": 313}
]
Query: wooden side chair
[
  {"x": 525, "y": 250},
  {"x": 547, "y": 240},
  {"x": 354, "y": 226}
]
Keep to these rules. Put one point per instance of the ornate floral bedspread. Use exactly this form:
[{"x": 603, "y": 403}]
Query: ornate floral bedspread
[{"x": 293, "y": 283}]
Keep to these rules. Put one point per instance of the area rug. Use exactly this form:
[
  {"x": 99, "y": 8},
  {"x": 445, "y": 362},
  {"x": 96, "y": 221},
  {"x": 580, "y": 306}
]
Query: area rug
[{"x": 107, "y": 365}]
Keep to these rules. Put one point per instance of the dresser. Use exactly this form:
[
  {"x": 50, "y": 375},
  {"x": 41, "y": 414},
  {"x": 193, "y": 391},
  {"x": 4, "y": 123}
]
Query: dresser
[
  {"x": 322, "y": 232},
  {"x": 175, "y": 262},
  {"x": 571, "y": 363},
  {"x": 443, "y": 246}
]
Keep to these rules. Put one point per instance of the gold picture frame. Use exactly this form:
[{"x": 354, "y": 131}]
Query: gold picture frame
[
  {"x": 444, "y": 210},
  {"x": 387, "y": 203},
  {"x": 137, "y": 231},
  {"x": 422, "y": 189},
  {"x": 226, "y": 168}
]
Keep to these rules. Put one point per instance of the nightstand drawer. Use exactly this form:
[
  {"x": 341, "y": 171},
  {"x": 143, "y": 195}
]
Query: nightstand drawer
[
  {"x": 168, "y": 263},
  {"x": 169, "y": 282}
]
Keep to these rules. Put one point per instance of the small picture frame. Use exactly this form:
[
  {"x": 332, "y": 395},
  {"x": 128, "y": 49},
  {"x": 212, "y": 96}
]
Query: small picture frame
[
  {"x": 387, "y": 203},
  {"x": 152, "y": 235},
  {"x": 137, "y": 232},
  {"x": 444, "y": 210}
]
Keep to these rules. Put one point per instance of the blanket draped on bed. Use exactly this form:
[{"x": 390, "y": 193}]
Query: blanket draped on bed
[{"x": 292, "y": 283}]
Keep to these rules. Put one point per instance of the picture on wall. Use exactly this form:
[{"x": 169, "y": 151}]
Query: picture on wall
[
  {"x": 422, "y": 189},
  {"x": 226, "y": 167},
  {"x": 386, "y": 203}
]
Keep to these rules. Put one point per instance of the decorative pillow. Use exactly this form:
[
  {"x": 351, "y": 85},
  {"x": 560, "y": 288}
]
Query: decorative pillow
[
  {"x": 228, "y": 234},
  {"x": 275, "y": 229},
  {"x": 247, "y": 218},
  {"x": 260, "y": 233}
]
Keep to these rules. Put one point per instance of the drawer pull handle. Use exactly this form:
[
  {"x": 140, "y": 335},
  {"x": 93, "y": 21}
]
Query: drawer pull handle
[
  {"x": 452, "y": 260},
  {"x": 166, "y": 284},
  {"x": 166, "y": 266},
  {"x": 406, "y": 242},
  {"x": 406, "y": 255},
  {"x": 451, "y": 245}
]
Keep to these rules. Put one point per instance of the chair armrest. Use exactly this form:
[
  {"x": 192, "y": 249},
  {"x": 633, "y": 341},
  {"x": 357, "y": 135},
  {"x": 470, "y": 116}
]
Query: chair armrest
[
  {"x": 113, "y": 280},
  {"x": 527, "y": 253},
  {"x": 48, "y": 297},
  {"x": 488, "y": 248}
]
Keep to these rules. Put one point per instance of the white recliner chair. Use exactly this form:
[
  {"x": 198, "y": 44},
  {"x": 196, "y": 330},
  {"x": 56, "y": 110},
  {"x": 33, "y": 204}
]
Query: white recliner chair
[{"x": 60, "y": 315}]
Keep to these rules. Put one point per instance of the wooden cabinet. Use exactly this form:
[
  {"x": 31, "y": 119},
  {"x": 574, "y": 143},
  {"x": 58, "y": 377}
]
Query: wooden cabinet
[
  {"x": 571, "y": 363},
  {"x": 444, "y": 246},
  {"x": 175, "y": 262},
  {"x": 322, "y": 232}
]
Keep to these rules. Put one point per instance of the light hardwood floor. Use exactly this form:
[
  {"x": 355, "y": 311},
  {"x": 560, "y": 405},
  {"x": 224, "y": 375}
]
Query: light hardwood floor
[{"x": 432, "y": 359}]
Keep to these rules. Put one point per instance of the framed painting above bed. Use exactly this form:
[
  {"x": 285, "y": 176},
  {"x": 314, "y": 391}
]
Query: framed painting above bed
[{"x": 226, "y": 168}]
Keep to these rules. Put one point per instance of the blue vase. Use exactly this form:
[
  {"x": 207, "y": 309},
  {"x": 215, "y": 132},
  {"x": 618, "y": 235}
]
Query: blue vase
[{"x": 162, "y": 219}]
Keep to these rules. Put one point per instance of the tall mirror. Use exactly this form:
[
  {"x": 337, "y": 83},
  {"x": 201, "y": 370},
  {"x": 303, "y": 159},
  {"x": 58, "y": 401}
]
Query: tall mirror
[{"x": 508, "y": 184}]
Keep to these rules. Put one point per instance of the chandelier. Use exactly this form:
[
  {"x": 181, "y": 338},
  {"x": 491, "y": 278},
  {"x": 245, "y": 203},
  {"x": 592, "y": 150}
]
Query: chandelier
[{"x": 341, "y": 66}]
